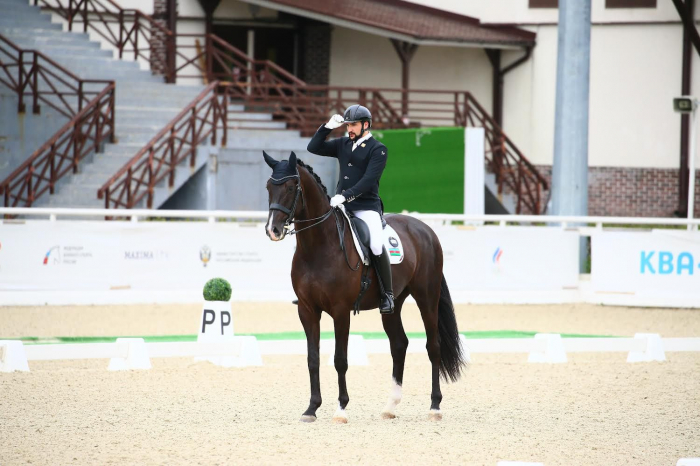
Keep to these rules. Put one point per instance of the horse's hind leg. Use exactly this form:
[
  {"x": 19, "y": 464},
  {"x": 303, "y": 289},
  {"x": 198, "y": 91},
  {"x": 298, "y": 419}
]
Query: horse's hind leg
[
  {"x": 341, "y": 321},
  {"x": 427, "y": 300},
  {"x": 398, "y": 342}
]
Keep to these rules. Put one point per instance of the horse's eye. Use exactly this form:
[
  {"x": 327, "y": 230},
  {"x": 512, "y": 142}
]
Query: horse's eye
[{"x": 289, "y": 189}]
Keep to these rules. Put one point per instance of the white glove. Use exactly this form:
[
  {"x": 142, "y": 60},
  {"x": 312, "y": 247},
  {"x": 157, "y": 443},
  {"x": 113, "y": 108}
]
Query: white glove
[
  {"x": 336, "y": 121},
  {"x": 337, "y": 200}
]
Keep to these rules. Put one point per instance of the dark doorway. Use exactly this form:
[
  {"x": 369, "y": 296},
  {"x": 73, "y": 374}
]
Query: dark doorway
[{"x": 279, "y": 45}]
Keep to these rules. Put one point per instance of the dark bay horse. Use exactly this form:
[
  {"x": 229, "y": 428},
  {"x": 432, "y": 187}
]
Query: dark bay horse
[{"x": 324, "y": 281}]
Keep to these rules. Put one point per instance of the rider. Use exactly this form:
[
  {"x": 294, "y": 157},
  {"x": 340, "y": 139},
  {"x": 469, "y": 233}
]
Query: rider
[{"x": 362, "y": 160}]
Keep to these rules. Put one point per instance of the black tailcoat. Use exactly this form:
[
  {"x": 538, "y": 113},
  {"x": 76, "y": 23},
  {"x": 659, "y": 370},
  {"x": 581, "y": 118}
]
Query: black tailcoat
[{"x": 360, "y": 169}]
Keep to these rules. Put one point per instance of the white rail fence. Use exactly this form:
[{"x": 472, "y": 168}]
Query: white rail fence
[{"x": 580, "y": 223}]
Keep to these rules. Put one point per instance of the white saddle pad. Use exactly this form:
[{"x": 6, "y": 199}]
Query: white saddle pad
[{"x": 392, "y": 243}]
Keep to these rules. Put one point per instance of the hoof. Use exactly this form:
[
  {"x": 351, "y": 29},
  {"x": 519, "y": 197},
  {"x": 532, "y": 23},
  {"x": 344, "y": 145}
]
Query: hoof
[
  {"x": 388, "y": 416},
  {"x": 307, "y": 418},
  {"x": 339, "y": 420},
  {"x": 435, "y": 416}
]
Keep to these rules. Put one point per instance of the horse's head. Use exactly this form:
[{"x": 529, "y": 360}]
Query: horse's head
[{"x": 284, "y": 189}]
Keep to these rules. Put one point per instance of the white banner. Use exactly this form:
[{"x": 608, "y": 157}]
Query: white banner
[
  {"x": 84, "y": 256},
  {"x": 509, "y": 259},
  {"x": 657, "y": 264},
  {"x": 171, "y": 261}
]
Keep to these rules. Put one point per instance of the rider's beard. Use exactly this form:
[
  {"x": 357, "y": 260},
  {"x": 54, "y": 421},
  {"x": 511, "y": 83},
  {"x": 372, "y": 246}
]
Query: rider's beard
[{"x": 352, "y": 135}]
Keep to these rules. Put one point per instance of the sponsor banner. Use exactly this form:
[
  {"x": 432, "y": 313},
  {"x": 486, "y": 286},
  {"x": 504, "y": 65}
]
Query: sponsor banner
[
  {"x": 657, "y": 263},
  {"x": 509, "y": 259},
  {"x": 154, "y": 257},
  {"x": 85, "y": 255}
]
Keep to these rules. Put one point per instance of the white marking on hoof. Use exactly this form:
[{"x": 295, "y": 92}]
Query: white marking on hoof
[
  {"x": 435, "y": 415},
  {"x": 340, "y": 417},
  {"x": 307, "y": 418},
  {"x": 394, "y": 400}
]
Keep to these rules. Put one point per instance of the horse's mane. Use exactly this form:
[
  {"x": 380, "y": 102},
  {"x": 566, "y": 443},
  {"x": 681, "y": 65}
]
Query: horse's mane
[{"x": 314, "y": 175}]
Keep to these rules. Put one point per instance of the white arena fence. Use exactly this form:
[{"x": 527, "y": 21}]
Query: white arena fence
[
  {"x": 244, "y": 351},
  {"x": 74, "y": 256}
]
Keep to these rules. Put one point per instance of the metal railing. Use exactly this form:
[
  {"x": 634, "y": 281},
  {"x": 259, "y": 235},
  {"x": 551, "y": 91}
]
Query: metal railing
[
  {"x": 584, "y": 224},
  {"x": 130, "y": 31},
  {"x": 264, "y": 86},
  {"x": 174, "y": 144},
  {"x": 37, "y": 78},
  {"x": 305, "y": 107}
]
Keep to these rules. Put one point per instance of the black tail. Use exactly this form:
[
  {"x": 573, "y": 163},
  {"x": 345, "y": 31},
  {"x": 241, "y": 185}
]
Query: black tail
[{"x": 451, "y": 358}]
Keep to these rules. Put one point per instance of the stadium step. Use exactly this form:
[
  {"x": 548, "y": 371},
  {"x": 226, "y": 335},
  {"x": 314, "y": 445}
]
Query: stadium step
[{"x": 144, "y": 105}]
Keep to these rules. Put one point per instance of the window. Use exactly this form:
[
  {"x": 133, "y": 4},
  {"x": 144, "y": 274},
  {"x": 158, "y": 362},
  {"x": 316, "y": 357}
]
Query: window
[
  {"x": 630, "y": 3},
  {"x": 544, "y": 3}
]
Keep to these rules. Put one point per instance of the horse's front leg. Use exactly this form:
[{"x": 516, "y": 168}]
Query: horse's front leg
[
  {"x": 311, "y": 320},
  {"x": 341, "y": 322}
]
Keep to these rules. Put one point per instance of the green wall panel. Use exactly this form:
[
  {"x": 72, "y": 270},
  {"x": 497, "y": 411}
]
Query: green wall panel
[{"x": 425, "y": 170}]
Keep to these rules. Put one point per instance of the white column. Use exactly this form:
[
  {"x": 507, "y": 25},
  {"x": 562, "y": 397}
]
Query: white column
[
  {"x": 691, "y": 163},
  {"x": 474, "y": 171}
]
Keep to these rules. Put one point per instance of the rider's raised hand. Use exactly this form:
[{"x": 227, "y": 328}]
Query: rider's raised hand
[{"x": 336, "y": 121}]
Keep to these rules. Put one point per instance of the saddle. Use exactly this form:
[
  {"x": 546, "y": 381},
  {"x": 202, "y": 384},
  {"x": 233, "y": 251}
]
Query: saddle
[{"x": 361, "y": 231}]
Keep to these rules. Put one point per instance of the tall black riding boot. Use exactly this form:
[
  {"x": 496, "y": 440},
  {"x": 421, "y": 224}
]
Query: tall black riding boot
[{"x": 383, "y": 267}]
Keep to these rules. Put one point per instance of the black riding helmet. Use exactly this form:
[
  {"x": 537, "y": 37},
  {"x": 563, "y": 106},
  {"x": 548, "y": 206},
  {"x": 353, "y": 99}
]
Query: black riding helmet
[{"x": 355, "y": 113}]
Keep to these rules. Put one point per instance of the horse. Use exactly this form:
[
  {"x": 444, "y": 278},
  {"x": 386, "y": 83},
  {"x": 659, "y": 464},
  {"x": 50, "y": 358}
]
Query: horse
[{"x": 327, "y": 279}]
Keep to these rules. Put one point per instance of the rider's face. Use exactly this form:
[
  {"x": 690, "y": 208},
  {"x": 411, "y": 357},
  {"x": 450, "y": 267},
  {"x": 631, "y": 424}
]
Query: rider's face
[{"x": 355, "y": 128}]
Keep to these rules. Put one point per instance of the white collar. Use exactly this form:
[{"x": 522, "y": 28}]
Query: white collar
[{"x": 361, "y": 140}]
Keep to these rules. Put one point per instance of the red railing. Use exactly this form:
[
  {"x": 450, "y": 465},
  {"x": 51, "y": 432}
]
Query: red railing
[
  {"x": 131, "y": 32},
  {"x": 174, "y": 144},
  {"x": 514, "y": 172},
  {"x": 262, "y": 85},
  {"x": 90, "y": 113},
  {"x": 36, "y": 78},
  {"x": 306, "y": 107}
]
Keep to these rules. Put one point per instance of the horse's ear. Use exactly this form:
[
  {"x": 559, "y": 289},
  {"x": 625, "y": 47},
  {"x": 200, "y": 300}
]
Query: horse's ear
[
  {"x": 293, "y": 159},
  {"x": 269, "y": 160}
]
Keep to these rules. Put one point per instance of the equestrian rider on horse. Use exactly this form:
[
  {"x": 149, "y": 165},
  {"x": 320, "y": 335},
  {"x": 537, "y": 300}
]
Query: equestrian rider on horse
[{"x": 362, "y": 160}]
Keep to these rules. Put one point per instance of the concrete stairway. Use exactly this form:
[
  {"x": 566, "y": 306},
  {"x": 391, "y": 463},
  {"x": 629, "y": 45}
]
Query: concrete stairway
[
  {"x": 144, "y": 104},
  {"x": 237, "y": 176}
]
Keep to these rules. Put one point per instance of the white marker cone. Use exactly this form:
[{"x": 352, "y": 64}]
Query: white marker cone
[
  {"x": 12, "y": 356},
  {"x": 654, "y": 349},
  {"x": 517, "y": 463},
  {"x": 136, "y": 356},
  {"x": 465, "y": 349},
  {"x": 688, "y": 462},
  {"x": 357, "y": 352},
  {"x": 250, "y": 352},
  {"x": 553, "y": 352}
]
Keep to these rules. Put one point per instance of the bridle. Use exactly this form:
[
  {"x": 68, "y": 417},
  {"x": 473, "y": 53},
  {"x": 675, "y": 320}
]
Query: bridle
[
  {"x": 290, "y": 212},
  {"x": 290, "y": 218},
  {"x": 297, "y": 194}
]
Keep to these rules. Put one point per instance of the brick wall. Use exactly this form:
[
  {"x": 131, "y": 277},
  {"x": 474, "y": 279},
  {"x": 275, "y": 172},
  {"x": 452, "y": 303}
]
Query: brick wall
[
  {"x": 632, "y": 192},
  {"x": 316, "y": 52}
]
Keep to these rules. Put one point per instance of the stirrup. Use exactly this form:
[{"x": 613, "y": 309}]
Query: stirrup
[{"x": 386, "y": 304}]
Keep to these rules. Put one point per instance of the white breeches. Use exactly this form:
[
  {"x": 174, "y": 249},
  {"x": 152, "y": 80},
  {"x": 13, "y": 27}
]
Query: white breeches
[{"x": 376, "y": 234}]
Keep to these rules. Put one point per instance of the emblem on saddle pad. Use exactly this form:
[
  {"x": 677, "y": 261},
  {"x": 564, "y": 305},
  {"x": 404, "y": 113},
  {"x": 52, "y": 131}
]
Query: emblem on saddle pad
[{"x": 395, "y": 249}]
